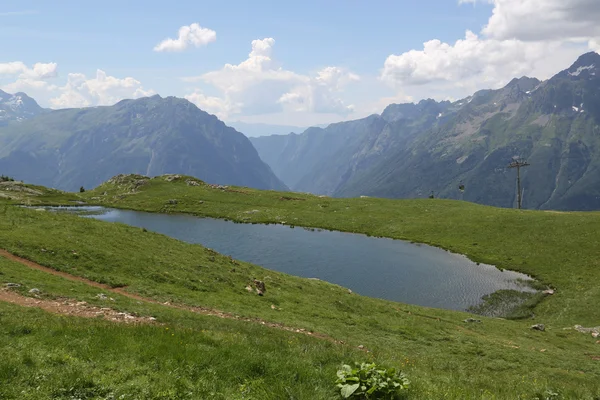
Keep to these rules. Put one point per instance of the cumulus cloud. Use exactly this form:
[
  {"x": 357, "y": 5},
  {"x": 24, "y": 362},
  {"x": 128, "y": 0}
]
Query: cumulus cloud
[
  {"x": 471, "y": 58},
  {"x": 260, "y": 85},
  {"x": 39, "y": 71},
  {"x": 32, "y": 80},
  {"x": 12, "y": 68},
  {"x": 100, "y": 90},
  {"x": 192, "y": 35},
  {"x": 522, "y": 37},
  {"x": 335, "y": 78},
  {"x": 322, "y": 93},
  {"x": 79, "y": 91},
  {"x": 213, "y": 105},
  {"x": 32, "y": 87},
  {"x": 534, "y": 20},
  {"x": 259, "y": 67}
]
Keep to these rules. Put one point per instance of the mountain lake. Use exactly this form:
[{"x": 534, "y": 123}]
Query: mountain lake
[{"x": 389, "y": 269}]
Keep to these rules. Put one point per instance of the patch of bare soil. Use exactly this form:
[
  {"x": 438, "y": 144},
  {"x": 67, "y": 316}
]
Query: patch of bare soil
[{"x": 72, "y": 307}]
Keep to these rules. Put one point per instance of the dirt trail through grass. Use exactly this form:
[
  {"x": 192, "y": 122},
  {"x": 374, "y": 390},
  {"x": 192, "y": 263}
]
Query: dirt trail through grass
[
  {"x": 71, "y": 307},
  {"x": 70, "y": 277}
]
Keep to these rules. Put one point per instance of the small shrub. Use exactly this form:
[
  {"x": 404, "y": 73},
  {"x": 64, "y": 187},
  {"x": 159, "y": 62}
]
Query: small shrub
[
  {"x": 368, "y": 381},
  {"x": 81, "y": 189},
  {"x": 4, "y": 178}
]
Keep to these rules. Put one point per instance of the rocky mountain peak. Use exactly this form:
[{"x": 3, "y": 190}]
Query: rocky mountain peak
[
  {"x": 523, "y": 84},
  {"x": 17, "y": 107},
  {"x": 586, "y": 66},
  {"x": 395, "y": 112}
]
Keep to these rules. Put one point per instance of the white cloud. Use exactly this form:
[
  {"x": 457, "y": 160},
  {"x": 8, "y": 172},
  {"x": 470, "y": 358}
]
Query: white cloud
[
  {"x": 100, "y": 90},
  {"x": 470, "y": 59},
  {"x": 32, "y": 87},
  {"x": 79, "y": 91},
  {"x": 192, "y": 35},
  {"x": 39, "y": 71},
  {"x": 522, "y": 37},
  {"x": 34, "y": 81},
  {"x": 312, "y": 98},
  {"x": 259, "y": 67},
  {"x": 535, "y": 20},
  {"x": 259, "y": 85},
  {"x": 12, "y": 68},
  {"x": 322, "y": 93},
  {"x": 212, "y": 105},
  {"x": 335, "y": 77}
]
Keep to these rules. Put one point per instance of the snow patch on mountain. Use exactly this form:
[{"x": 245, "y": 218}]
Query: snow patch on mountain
[
  {"x": 579, "y": 70},
  {"x": 15, "y": 102},
  {"x": 17, "y": 107}
]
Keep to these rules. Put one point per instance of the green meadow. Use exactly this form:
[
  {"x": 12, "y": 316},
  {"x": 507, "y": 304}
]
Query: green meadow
[{"x": 187, "y": 355}]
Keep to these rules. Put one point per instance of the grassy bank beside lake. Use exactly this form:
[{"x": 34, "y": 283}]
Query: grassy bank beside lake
[{"x": 443, "y": 356}]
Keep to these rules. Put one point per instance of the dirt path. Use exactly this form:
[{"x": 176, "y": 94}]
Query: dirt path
[
  {"x": 51, "y": 271},
  {"x": 69, "y": 306}
]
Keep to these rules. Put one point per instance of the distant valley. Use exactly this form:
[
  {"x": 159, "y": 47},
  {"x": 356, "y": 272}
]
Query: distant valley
[{"x": 260, "y": 129}]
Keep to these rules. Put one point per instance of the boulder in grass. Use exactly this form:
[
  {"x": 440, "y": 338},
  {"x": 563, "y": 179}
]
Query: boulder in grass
[{"x": 538, "y": 327}]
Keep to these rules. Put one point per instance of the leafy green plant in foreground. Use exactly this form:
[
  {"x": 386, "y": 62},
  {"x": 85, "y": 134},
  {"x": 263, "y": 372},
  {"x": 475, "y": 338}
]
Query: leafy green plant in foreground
[{"x": 368, "y": 381}]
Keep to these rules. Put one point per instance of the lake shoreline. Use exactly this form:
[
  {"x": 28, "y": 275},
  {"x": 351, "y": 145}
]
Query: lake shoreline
[{"x": 528, "y": 285}]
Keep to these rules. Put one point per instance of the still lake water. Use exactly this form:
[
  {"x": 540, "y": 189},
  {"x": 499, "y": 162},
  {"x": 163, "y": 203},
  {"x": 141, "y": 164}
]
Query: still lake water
[{"x": 385, "y": 268}]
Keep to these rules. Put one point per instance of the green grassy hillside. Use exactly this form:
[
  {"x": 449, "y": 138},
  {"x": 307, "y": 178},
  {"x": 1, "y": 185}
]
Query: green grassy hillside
[
  {"x": 54, "y": 357},
  {"x": 443, "y": 356}
]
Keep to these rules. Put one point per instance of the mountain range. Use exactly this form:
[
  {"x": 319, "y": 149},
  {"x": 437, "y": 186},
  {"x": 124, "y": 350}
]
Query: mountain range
[
  {"x": 412, "y": 150},
  {"x": 459, "y": 149},
  {"x": 70, "y": 148}
]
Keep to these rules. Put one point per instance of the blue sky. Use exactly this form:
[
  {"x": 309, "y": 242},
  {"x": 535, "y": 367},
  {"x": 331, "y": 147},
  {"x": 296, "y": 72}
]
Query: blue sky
[{"x": 315, "y": 61}]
